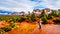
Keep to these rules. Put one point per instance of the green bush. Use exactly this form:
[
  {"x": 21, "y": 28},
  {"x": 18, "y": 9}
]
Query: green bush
[
  {"x": 49, "y": 16},
  {"x": 1, "y": 31},
  {"x": 56, "y": 21},
  {"x": 22, "y": 18},
  {"x": 44, "y": 17},
  {"x": 31, "y": 17},
  {"x": 6, "y": 29},
  {"x": 13, "y": 24}
]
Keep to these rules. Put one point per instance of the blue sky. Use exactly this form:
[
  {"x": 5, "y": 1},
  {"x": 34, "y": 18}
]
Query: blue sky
[{"x": 28, "y": 5}]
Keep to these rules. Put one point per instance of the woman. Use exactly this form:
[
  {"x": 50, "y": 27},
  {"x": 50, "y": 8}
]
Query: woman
[{"x": 40, "y": 23}]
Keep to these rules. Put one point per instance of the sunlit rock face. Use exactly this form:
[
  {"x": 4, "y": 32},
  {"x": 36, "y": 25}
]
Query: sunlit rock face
[
  {"x": 15, "y": 13},
  {"x": 22, "y": 13},
  {"x": 37, "y": 12},
  {"x": 48, "y": 11}
]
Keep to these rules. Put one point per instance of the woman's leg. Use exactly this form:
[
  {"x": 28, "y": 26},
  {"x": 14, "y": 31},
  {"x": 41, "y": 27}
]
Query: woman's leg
[{"x": 39, "y": 26}]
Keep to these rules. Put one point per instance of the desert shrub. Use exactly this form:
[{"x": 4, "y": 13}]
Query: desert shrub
[
  {"x": 13, "y": 24},
  {"x": 44, "y": 17},
  {"x": 49, "y": 16},
  {"x": 22, "y": 18},
  {"x": 56, "y": 21},
  {"x": 31, "y": 17},
  {"x": 6, "y": 29},
  {"x": 1, "y": 31}
]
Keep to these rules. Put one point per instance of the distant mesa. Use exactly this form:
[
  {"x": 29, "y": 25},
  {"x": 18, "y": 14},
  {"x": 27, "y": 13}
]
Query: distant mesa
[
  {"x": 18, "y": 13},
  {"x": 36, "y": 11}
]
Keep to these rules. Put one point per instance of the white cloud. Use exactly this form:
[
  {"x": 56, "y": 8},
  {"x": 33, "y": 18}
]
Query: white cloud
[
  {"x": 13, "y": 5},
  {"x": 54, "y": 4},
  {"x": 27, "y": 5}
]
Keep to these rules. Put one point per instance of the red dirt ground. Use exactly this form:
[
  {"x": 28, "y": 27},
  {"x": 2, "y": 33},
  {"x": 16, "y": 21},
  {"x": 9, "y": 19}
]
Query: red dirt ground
[{"x": 29, "y": 28}]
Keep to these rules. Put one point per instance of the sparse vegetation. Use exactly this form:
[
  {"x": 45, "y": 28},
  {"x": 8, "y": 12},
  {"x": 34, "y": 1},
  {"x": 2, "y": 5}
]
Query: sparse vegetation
[{"x": 53, "y": 17}]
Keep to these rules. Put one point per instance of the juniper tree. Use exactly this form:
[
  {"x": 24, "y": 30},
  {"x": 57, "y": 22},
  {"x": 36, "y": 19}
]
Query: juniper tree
[{"x": 44, "y": 16}]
